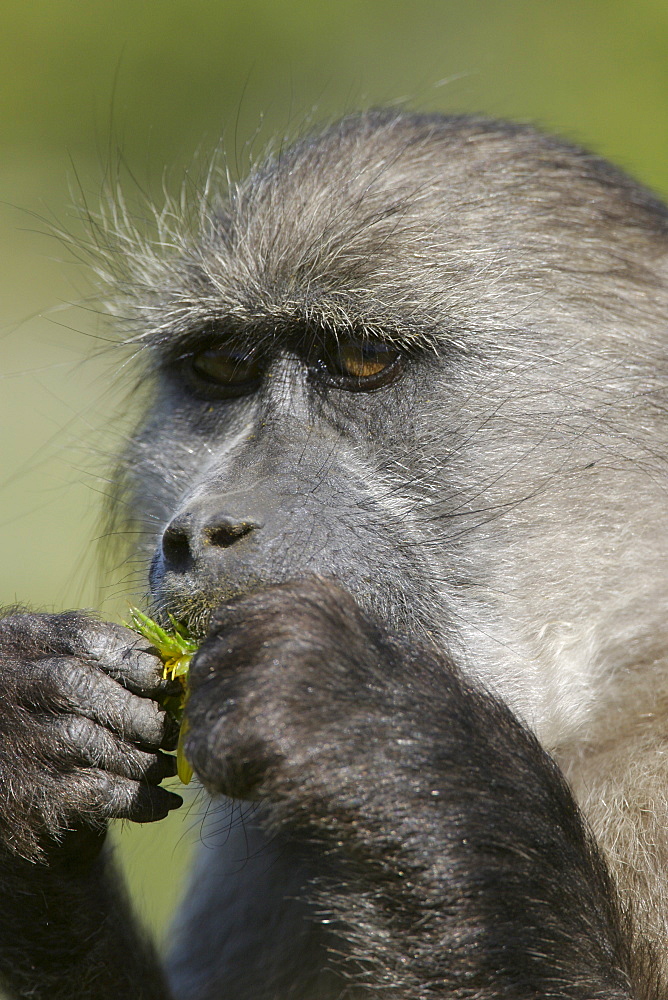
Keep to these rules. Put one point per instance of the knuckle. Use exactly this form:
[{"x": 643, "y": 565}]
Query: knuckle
[
  {"x": 145, "y": 720},
  {"x": 109, "y": 643},
  {"x": 145, "y": 766},
  {"x": 99, "y": 791},
  {"x": 44, "y": 682},
  {"x": 76, "y": 680},
  {"x": 125, "y": 657},
  {"x": 77, "y": 729}
]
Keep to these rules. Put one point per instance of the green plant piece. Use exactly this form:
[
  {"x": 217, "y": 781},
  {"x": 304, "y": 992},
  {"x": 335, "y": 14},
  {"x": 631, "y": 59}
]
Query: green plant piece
[{"x": 176, "y": 649}]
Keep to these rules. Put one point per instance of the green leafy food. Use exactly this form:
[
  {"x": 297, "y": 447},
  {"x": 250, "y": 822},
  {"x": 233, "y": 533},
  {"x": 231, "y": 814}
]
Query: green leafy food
[{"x": 176, "y": 649}]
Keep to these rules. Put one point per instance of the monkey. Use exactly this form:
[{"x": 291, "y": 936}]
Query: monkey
[{"x": 401, "y": 471}]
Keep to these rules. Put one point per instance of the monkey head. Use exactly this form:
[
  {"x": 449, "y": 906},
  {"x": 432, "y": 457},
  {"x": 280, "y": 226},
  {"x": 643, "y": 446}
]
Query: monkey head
[{"x": 422, "y": 356}]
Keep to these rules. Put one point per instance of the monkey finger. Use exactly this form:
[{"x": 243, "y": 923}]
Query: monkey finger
[
  {"x": 103, "y": 796},
  {"x": 116, "y": 649},
  {"x": 125, "y": 656},
  {"x": 76, "y": 687},
  {"x": 85, "y": 742}
]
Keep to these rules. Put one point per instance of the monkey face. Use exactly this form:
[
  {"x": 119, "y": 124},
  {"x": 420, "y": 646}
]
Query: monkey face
[
  {"x": 421, "y": 357},
  {"x": 300, "y": 474}
]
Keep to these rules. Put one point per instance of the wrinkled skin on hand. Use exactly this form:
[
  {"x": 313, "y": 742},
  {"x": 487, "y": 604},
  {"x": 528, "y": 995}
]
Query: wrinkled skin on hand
[{"x": 82, "y": 738}]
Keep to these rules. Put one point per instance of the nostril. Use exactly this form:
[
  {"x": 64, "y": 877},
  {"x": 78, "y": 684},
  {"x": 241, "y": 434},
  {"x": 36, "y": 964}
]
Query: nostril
[
  {"x": 176, "y": 549},
  {"x": 226, "y": 533},
  {"x": 187, "y": 539}
]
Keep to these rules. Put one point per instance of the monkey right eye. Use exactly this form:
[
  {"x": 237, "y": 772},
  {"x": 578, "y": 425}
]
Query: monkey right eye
[{"x": 228, "y": 370}]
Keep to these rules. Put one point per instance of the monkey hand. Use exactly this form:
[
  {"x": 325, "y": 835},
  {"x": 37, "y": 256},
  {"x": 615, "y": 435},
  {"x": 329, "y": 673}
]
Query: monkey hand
[
  {"x": 292, "y": 693},
  {"x": 81, "y": 736},
  {"x": 375, "y": 749}
]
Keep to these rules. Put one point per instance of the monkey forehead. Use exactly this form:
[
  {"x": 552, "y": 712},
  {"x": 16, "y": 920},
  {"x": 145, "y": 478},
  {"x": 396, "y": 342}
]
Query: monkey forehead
[{"x": 399, "y": 226}]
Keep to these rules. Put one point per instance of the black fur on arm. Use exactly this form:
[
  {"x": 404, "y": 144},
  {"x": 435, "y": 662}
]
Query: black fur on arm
[
  {"x": 67, "y": 932},
  {"x": 81, "y": 742},
  {"x": 463, "y": 867}
]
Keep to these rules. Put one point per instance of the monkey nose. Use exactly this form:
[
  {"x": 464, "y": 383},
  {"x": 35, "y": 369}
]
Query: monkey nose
[{"x": 187, "y": 540}]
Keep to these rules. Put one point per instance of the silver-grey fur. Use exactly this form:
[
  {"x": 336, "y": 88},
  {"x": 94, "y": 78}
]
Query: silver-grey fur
[{"x": 539, "y": 511}]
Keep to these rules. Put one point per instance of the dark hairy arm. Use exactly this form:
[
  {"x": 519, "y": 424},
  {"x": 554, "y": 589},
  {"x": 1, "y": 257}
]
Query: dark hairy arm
[
  {"x": 81, "y": 742},
  {"x": 461, "y": 865},
  {"x": 67, "y": 930}
]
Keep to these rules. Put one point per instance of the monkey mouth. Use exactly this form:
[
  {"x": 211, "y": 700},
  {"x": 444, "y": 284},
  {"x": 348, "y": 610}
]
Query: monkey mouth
[
  {"x": 194, "y": 612},
  {"x": 194, "y": 609}
]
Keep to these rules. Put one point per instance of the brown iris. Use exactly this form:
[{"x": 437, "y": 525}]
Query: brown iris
[
  {"x": 367, "y": 362},
  {"x": 227, "y": 366}
]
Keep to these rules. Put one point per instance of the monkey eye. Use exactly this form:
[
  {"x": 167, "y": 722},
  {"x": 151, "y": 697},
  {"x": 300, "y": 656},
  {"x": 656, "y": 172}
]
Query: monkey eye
[
  {"x": 232, "y": 370},
  {"x": 362, "y": 364}
]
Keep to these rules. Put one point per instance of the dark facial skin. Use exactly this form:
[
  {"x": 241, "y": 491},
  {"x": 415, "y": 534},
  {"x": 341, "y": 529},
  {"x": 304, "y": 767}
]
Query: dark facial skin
[{"x": 295, "y": 478}]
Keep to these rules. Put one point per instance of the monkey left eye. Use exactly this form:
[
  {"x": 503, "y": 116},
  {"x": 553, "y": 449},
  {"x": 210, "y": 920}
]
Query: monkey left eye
[{"x": 363, "y": 364}]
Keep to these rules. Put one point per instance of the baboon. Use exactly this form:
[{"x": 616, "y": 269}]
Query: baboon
[{"x": 402, "y": 472}]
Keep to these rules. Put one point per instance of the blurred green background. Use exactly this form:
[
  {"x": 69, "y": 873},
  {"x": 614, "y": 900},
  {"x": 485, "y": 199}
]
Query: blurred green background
[{"x": 159, "y": 80}]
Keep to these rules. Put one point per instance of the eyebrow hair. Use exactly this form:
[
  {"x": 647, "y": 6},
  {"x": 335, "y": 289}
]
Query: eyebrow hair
[
  {"x": 182, "y": 331},
  {"x": 301, "y": 337}
]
